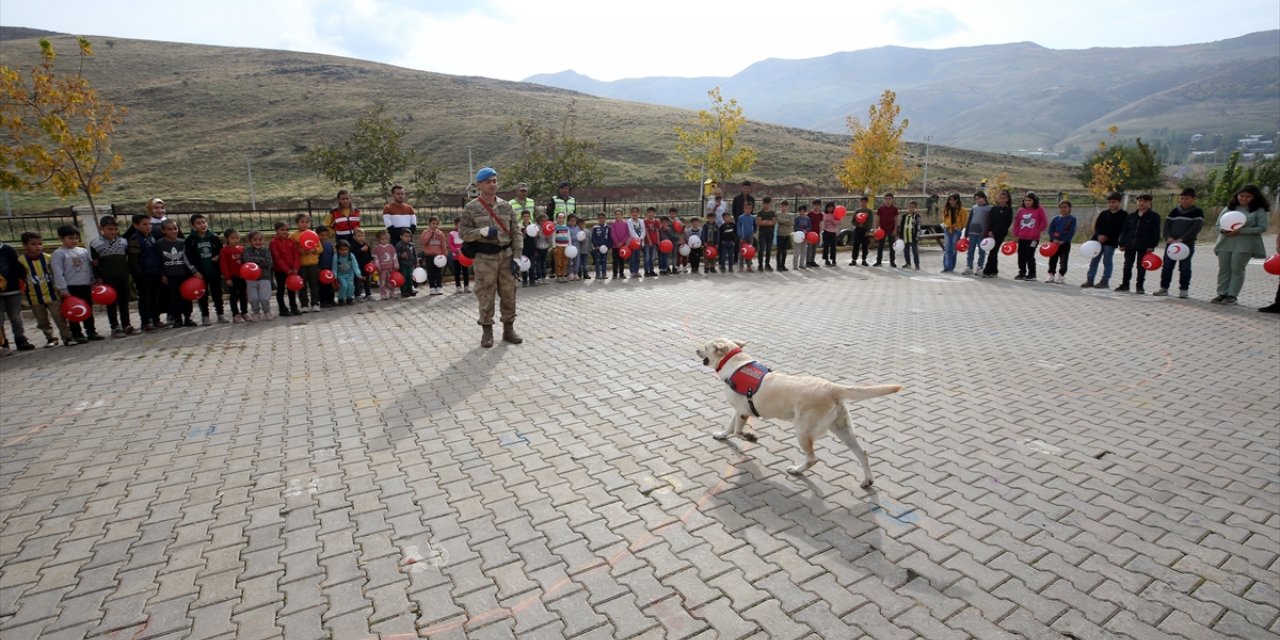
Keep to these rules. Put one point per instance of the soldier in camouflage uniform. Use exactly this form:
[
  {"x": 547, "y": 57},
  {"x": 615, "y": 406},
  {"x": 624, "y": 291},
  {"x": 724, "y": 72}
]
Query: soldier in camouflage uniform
[{"x": 488, "y": 227}]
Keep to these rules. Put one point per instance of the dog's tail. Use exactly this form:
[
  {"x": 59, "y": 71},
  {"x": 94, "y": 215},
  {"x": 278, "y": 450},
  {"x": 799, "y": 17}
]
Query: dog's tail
[{"x": 854, "y": 394}]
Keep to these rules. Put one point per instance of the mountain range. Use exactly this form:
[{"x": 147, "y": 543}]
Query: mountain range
[{"x": 1001, "y": 97}]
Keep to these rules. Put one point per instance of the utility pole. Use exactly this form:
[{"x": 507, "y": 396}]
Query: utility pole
[
  {"x": 471, "y": 169},
  {"x": 253, "y": 202},
  {"x": 925, "y": 185}
]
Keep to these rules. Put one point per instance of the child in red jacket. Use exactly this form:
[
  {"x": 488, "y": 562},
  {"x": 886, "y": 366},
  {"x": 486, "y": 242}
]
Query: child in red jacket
[
  {"x": 229, "y": 261},
  {"x": 285, "y": 260}
]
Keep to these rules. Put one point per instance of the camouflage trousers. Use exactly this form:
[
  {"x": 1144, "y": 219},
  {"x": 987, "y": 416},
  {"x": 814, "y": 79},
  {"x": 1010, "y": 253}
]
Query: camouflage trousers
[{"x": 493, "y": 276}]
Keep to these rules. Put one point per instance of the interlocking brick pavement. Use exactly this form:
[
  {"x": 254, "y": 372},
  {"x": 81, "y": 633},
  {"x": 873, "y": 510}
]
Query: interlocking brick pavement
[{"x": 1062, "y": 464}]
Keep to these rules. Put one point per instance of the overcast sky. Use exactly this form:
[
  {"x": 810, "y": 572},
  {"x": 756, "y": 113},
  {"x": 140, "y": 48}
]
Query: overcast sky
[{"x": 606, "y": 40}]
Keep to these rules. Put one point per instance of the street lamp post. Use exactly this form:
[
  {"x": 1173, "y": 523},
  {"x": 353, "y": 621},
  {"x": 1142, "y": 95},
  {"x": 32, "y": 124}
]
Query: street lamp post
[{"x": 925, "y": 185}]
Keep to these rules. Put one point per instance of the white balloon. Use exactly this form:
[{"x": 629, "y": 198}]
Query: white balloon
[
  {"x": 685, "y": 250},
  {"x": 419, "y": 275},
  {"x": 1090, "y": 249},
  {"x": 987, "y": 244},
  {"x": 797, "y": 237},
  {"x": 441, "y": 261},
  {"x": 582, "y": 235},
  {"x": 457, "y": 237},
  {"x": 899, "y": 245},
  {"x": 1177, "y": 251},
  {"x": 1231, "y": 220},
  {"x": 570, "y": 252},
  {"x": 604, "y": 249},
  {"x": 695, "y": 242},
  {"x": 532, "y": 230},
  {"x": 524, "y": 263}
]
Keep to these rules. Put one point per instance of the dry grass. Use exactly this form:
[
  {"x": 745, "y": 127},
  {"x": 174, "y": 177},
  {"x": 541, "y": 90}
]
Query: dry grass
[{"x": 198, "y": 113}]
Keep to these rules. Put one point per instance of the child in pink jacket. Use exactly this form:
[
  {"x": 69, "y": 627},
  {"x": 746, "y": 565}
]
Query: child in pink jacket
[{"x": 1028, "y": 223}]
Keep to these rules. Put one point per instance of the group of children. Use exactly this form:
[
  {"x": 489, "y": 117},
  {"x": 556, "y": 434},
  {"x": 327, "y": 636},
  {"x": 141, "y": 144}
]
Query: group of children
[{"x": 152, "y": 260}]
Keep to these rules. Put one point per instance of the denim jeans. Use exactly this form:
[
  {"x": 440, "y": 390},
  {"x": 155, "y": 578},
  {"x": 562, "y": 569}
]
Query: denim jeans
[
  {"x": 949, "y": 239},
  {"x": 1108, "y": 253},
  {"x": 1184, "y": 270},
  {"x": 650, "y": 257},
  {"x": 982, "y": 253}
]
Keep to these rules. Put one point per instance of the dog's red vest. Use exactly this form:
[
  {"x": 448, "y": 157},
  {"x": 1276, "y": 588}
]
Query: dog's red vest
[{"x": 746, "y": 380}]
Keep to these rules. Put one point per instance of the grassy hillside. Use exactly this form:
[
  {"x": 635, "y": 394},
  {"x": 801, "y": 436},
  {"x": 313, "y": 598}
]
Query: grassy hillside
[{"x": 198, "y": 113}]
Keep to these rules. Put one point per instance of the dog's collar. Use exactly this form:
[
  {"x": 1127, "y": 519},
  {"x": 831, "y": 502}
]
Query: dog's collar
[{"x": 732, "y": 353}]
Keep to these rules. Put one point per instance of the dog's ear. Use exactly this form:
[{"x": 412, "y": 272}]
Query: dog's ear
[{"x": 740, "y": 343}]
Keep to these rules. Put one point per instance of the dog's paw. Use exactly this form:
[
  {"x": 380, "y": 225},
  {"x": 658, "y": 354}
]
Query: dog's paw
[
  {"x": 795, "y": 470},
  {"x": 720, "y": 435},
  {"x": 866, "y": 484},
  {"x": 749, "y": 437}
]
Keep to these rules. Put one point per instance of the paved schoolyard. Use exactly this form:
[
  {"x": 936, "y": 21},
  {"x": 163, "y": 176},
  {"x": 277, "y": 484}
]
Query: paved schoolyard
[{"x": 1062, "y": 464}]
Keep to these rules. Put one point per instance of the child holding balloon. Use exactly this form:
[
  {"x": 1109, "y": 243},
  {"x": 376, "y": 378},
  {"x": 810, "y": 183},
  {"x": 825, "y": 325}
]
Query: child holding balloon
[
  {"x": 1239, "y": 241},
  {"x": 1140, "y": 234},
  {"x": 286, "y": 259},
  {"x": 619, "y": 235},
  {"x": 435, "y": 245},
  {"x": 407, "y": 257},
  {"x": 694, "y": 230},
  {"x": 73, "y": 276},
  {"x": 601, "y": 242},
  {"x": 347, "y": 271},
  {"x": 175, "y": 269},
  {"x": 111, "y": 264},
  {"x": 1182, "y": 225},
  {"x": 384, "y": 257},
  {"x": 801, "y": 258},
  {"x": 1061, "y": 230},
  {"x": 259, "y": 291},
  {"x": 308, "y": 263},
  {"x": 462, "y": 274},
  {"x": 229, "y": 261},
  {"x": 572, "y": 224},
  {"x": 364, "y": 256}
]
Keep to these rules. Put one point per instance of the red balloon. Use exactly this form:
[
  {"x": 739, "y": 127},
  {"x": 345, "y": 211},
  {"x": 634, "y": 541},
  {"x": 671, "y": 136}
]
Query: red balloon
[
  {"x": 840, "y": 212},
  {"x": 1009, "y": 247},
  {"x": 879, "y": 234},
  {"x": 748, "y": 252},
  {"x": 396, "y": 279},
  {"x": 711, "y": 253},
  {"x": 962, "y": 244},
  {"x": 370, "y": 267},
  {"x": 679, "y": 228},
  {"x": 634, "y": 244},
  {"x": 294, "y": 283},
  {"x": 327, "y": 277},
  {"x": 192, "y": 289},
  {"x": 462, "y": 260},
  {"x": 250, "y": 271},
  {"x": 624, "y": 252},
  {"x": 103, "y": 294},
  {"x": 665, "y": 246},
  {"x": 309, "y": 239},
  {"x": 860, "y": 217},
  {"x": 1047, "y": 249},
  {"x": 76, "y": 309},
  {"x": 548, "y": 228},
  {"x": 1151, "y": 262},
  {"x": 1272, "y": 265},
  {"x": 812, "y": 237}
]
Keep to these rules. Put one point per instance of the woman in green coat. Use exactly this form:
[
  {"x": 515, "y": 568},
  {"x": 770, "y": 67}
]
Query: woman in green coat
[{"x": 1236, "y": 248}]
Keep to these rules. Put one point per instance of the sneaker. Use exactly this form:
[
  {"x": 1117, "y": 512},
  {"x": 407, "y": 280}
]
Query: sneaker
[
  {"x": 1271, "y": 308},
  {"x": 457, "y": 288},
  {"x": 50, "y": 341},
  {"x": 1228, "y": 301},
  {"x": 1019, "y": 277},
  {"x": 1218, "y": 299},
  {"x": 783, "y": 269},
  {"x": 253, "y": 317},
  {"x": 26, "y": 346},
  {"x": 95, "y": 337},
  {"x": 967, "y": 272},
  {"x": 1124, "y": 288},
  {"x": 1049, "y": 280},
  {"x": 117, "y": 333},
  {"x": 315, "y": 308},
  {"x": 267, "y": 316},
  {"x": 1105, "y": 284},
  {"x": 237, "y": 319},
  {"x": 1139, "y": 292},
  {"x": 222, "y": 319},
  {"x": 1058, "y": 280},
  {"x": 1161, "y": 292},
  {"x": 204, "y": 321},
  {"x": 876, "y": 264},
  {"x": 466, "y": 289},
  {"x": 1087, "y": 285},
  {"x": 192, "y": 323},
  {"x": 130, "y": 331},
  {"x": 1182, "y": 293}
]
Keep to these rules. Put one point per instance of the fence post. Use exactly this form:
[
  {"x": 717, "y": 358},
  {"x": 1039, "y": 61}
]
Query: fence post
[
  {"x": 88, "y": 225},
  {"x": 309, "y": 213}
]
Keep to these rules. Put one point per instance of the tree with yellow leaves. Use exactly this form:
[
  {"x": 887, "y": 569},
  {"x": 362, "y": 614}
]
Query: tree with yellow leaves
[
  {"x": 1106, "y": 172},
  {"x": 875, "y": 159},
  {"x": 57, "y": 129},
  {"x": 711, "y": 143}
]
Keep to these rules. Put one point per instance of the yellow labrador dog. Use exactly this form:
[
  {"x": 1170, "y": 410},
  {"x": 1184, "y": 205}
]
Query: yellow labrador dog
[{"x": 814, "y": 405}]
